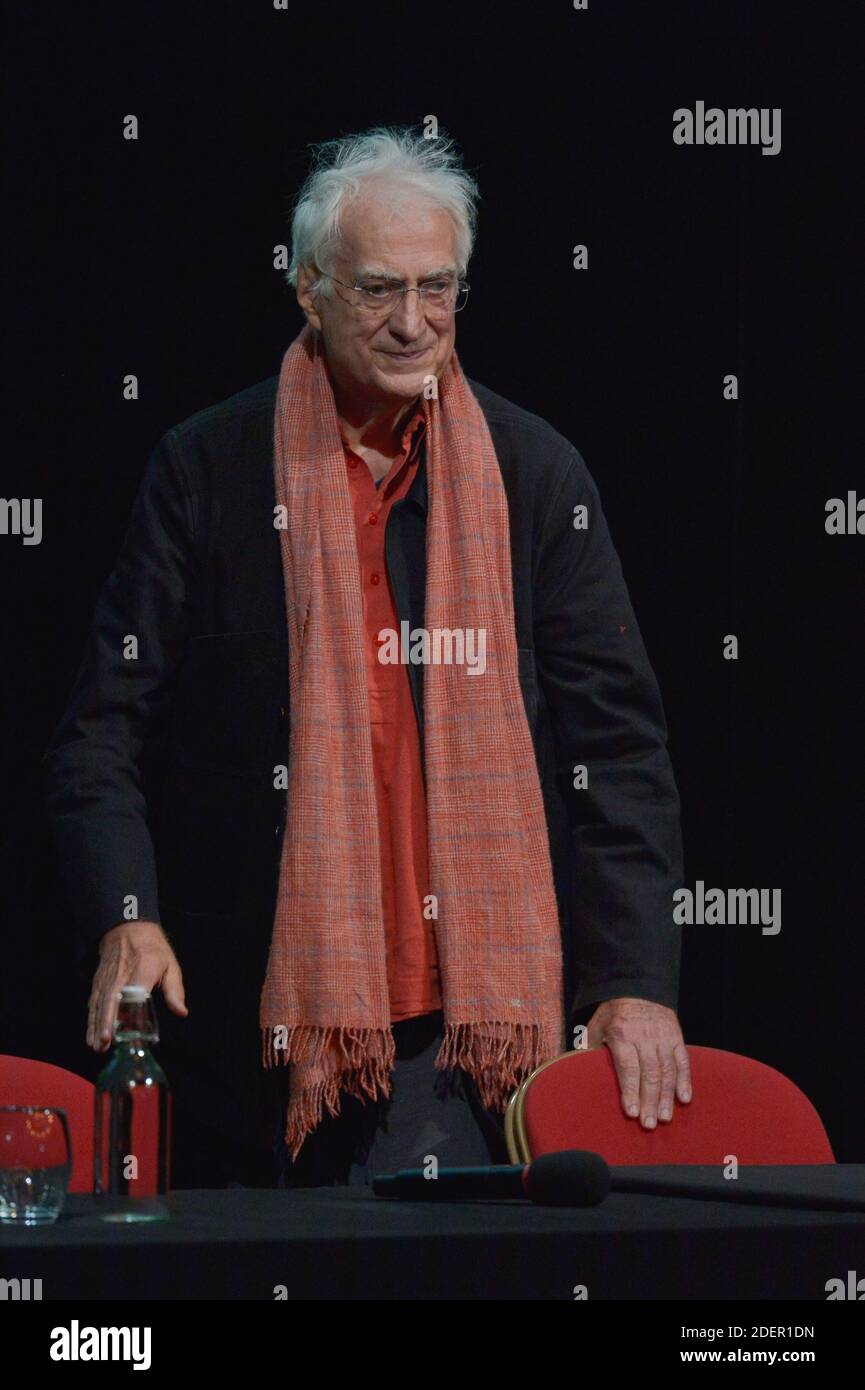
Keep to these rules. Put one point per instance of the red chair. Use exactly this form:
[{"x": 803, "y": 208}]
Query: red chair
[
  {"x": 739, "y": 1106},
  {"x": 24, "y": 1081}
]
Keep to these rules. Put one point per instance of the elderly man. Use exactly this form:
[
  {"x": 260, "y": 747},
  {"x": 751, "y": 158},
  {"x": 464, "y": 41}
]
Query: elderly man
[{"x": 384, "y": 771}]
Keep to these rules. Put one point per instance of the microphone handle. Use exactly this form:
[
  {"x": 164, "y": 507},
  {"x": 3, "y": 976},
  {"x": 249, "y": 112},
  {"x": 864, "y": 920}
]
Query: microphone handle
[{"x": 731, "y": 1192}]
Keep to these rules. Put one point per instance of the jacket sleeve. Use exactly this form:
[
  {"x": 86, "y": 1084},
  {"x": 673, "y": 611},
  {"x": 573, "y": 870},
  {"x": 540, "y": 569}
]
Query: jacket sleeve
[
  {"x": 607, "y": 716},
  {"x": 97, "y": 765}
]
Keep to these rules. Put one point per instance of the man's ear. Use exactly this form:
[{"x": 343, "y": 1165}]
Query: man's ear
[{"x": 306, "y": 276}]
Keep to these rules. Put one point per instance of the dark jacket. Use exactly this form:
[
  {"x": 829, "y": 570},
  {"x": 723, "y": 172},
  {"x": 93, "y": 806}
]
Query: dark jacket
[{"x": 160, "y": 776}]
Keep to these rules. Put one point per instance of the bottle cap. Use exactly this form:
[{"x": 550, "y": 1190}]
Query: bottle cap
[{"x": 135, "y": 994}]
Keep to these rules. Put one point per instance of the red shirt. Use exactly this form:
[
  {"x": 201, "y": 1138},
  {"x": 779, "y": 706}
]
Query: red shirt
[{"x": 412, "y": 960}]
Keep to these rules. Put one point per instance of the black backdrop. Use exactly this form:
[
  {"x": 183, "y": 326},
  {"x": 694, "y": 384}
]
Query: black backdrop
[{"x": 154, "y": 257}]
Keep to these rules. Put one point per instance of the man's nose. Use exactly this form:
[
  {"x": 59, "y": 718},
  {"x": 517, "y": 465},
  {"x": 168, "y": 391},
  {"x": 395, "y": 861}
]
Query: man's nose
[{"x": 408, "y": 317}]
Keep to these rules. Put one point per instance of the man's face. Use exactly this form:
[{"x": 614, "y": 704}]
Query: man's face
[{"x": 375, "y": 358}]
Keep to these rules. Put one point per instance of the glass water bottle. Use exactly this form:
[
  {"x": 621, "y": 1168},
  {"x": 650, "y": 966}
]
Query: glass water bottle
[{"x": 132, "y": 1133}]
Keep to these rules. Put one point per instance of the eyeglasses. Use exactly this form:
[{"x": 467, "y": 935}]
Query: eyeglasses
[{"x": 378, "y": 298}]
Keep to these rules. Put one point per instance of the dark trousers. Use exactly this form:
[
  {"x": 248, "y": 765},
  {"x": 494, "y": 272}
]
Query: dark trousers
[{"x": 428, "y": 1114}]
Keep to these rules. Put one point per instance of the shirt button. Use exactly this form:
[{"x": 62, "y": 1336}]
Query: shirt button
[
  {"x": 372, "y": 519},
  {"x": 375, "y": 579},
  {"x": 352, "y": 463}
]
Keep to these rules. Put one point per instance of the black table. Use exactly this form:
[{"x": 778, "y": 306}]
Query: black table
[{"x": 343, "y": 1243}]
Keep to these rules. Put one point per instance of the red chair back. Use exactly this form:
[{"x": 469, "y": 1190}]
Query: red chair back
[
  {"x": 24, "y": 1081},
  {"x": 740, "y": 1107}
]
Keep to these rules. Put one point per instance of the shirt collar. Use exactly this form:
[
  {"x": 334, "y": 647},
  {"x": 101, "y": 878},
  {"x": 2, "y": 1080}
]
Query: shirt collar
[
  {"x": 411, "y": 442},
  {"x": 413, "y": 419}
]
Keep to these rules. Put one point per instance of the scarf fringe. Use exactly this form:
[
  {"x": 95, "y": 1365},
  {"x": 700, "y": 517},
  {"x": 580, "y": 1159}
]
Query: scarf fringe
[
  {"x": 497, "y": 1055},
  {"x": 361, "y": 1059}
]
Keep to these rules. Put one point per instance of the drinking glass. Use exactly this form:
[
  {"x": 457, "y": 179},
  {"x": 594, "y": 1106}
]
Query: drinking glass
[{"x": 35, "y": 1164}]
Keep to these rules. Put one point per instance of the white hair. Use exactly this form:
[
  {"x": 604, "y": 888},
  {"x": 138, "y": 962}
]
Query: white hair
[{"x": 397, "y": 156}]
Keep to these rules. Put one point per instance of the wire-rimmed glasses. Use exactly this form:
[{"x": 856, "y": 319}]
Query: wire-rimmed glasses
[{"x": 379, "y": 297}]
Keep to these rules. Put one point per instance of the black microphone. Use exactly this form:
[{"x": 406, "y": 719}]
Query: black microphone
[
  {"x": 570, "y": 1178},
  {"x": 580, "y": 1178}
]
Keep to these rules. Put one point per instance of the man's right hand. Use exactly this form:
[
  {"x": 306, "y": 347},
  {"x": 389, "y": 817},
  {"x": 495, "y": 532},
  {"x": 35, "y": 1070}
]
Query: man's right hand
[{"x": 134, "y": 953}]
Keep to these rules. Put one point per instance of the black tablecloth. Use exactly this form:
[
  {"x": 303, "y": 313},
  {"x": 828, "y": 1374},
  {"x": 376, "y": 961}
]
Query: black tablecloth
[{"x": 344, "y": 1243}]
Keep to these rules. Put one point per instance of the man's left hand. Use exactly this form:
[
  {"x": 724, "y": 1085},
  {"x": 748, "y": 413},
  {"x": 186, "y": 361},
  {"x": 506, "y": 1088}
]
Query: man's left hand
[{"x": 649, "y": 1055}]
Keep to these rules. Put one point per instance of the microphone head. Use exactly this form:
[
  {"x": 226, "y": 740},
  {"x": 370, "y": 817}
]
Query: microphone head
[{"x": 568, "y": 1178}]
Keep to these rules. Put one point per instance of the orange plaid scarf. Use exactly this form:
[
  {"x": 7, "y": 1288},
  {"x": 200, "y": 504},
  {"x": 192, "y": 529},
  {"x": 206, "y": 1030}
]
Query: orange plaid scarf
[{"x": 325, "y": 1007}]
